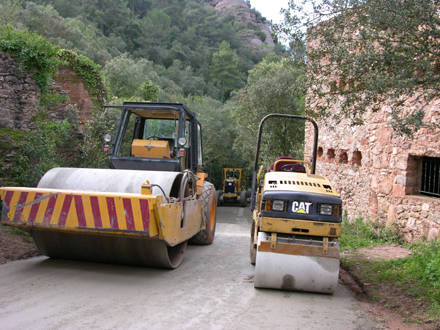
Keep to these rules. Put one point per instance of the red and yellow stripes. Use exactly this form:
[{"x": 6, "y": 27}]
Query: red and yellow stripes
[{"x": 75, "y": 209}]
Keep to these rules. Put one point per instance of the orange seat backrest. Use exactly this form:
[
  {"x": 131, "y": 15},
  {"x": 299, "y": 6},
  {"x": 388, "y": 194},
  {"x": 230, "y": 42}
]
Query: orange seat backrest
[{"x": 150, "y": 149}]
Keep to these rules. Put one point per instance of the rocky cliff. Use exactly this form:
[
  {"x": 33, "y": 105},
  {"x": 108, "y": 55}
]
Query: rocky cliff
[{"x": 257, "y": 32}]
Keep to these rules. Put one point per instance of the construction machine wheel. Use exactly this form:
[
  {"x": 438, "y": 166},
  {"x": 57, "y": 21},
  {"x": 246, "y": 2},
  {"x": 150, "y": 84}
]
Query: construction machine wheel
[
  {"x": 209, "y": 213},
  {"x": 243, "y": 199},
  {"x": 219, "y": 193},
  {"x": 112, "y": 250}
]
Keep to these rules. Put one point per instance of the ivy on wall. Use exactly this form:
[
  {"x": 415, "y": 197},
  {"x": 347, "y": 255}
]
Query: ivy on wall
[
  {"x": 88, "y": 70},
  {"x": 40, "y": 57},
  {"x": 35, "y": 54}
]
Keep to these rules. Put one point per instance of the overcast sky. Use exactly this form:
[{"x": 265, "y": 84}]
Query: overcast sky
[{"x": 270, "y": 8}]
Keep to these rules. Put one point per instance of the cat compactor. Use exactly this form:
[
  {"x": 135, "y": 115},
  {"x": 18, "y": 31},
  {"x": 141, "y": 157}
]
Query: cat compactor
[
  {"x": 296, "y": 223},
  {"x": 142, "y": 211}
]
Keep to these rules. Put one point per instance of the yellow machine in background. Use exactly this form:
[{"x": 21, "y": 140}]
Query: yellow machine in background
[
  {"x": 296, "y": 223},
  {"x": 233, "y": 190},
  {"x": 142, "y": 211}
]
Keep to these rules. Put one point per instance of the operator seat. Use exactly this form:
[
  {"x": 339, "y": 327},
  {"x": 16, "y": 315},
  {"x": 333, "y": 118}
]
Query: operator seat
[{"x": 295, "y": 167}]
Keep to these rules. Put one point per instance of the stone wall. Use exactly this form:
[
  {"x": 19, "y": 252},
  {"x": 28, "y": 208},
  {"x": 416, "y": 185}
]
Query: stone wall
[
  {"x": 77, "y": 93},
  {"x": 19, "y": 95},
  {"x": 377, "y": 173}
]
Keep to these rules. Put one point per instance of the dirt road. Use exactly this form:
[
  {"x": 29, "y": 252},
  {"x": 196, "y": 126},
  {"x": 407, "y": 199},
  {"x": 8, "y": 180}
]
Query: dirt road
[{"x": 212, "y": 289}]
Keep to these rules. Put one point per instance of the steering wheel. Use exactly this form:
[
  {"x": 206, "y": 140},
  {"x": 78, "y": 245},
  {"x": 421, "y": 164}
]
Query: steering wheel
[
  {"x": 287, "y": 168},
  {"x": 153, "y": 137}
]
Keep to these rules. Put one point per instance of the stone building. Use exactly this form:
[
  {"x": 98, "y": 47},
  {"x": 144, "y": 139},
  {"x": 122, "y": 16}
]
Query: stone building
[{"x": 383, "y": 177}]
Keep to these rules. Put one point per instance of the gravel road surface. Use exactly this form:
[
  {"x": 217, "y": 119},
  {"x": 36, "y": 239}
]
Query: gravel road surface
[{"x": 212, "y": 289}]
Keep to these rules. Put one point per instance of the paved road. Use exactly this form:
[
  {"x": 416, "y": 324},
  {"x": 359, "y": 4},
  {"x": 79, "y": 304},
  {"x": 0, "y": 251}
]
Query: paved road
[{"x": 212, "y": 289}]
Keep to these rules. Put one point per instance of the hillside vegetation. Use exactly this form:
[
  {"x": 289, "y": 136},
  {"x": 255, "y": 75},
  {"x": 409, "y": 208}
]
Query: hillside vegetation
[
  {"x": 174, "y": 41},
  {"x": 148, "y": 50}
]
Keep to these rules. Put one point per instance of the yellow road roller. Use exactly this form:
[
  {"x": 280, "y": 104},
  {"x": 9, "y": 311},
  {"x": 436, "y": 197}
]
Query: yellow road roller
[
  {"x": 142, "y": 211},
  {"x": 296, "y": 223},
  {"x": 233, "y": 191}
]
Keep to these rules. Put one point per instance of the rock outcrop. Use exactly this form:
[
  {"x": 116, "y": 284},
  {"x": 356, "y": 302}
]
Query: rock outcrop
[{"x": 243, "y": 13}]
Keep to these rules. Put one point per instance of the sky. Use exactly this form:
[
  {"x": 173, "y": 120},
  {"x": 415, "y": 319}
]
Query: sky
[{"x": 270, "y": 8}]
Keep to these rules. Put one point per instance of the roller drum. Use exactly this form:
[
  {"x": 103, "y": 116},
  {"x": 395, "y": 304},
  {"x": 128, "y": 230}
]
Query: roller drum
[
  {"x": 131, "y": 251},
  {"x": 294, "y": 272},
  {"x": 104, "y": 246},
  {"x": 106, "y": 180}
]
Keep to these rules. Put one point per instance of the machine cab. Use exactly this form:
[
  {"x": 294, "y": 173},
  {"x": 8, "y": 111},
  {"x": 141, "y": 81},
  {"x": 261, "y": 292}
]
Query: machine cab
[{"x": 157, "y": 137}]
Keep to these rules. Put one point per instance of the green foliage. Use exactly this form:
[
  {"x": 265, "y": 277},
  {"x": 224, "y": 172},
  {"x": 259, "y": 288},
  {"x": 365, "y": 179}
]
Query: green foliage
[
  {"x": 34, "y": 53},
  {"x": 124, "y": 76},
  {"x": 272, "y": 87},
  {"x": 39, "y": 152},
  {"x": 224, "y": 68},
  {"x": 363, "y": 54},
  {"x": 53, "y": 99},
  {"x": 148, "y": 92},
  {"x": 157, "y": 31},
  {"x": 103, "y": 122},
  {"x": 9, "y": 12}
]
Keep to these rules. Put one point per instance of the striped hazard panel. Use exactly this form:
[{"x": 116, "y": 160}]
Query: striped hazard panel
[{"x": 74, "y": 209}]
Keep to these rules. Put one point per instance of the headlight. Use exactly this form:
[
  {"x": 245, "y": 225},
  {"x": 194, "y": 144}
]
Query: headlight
[
  {"x": 278, "y": 206},
  {"x": 182, "y": 141},
  {"x": 275, "y": 205},
  {"x": 330, "y": 209},
  {"x": 107, "y": 138}
]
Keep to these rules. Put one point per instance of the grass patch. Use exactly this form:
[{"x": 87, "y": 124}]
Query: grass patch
[
  {"x": 358, "y": 233},
  {"x": 12, "y": 134},
  {"x": 415, "y": 277}
]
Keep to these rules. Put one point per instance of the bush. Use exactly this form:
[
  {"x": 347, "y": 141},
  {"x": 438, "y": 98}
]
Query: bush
[{"x": 39, "y": 152}]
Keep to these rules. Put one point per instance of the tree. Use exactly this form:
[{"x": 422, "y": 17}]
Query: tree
[
  {"x": 362, "y": 54},
  {"x": 225, "y": 69},
  {"x": 148, "y": 92},
  {"x": 155, "y": 33},
  {"x": 124, "y": 75},
  {"x": 272, "y": 87},
  {"x": 110, "y": 15},
  {"x": 9, "y": 12}
]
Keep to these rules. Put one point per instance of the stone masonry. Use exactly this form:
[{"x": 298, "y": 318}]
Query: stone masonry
[
  {"x": 19, "y": 95},
  {"x": 377, "y": 173}
]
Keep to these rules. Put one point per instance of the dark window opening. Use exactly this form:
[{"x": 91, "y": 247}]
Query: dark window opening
[
  {"x": 357, "y": 158},
  {"x": 330, "y": 154},
  {"x": 343, "y": 158},
  {"x": 319, "y": 154},
  {"x": 430, "y": 176}
]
